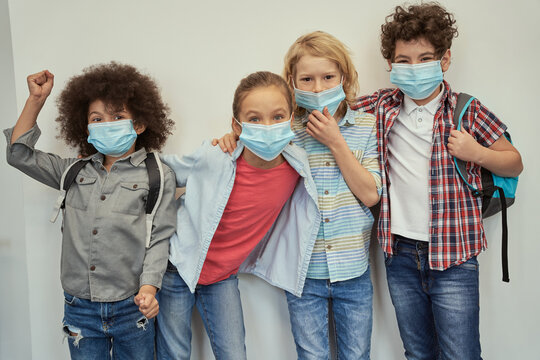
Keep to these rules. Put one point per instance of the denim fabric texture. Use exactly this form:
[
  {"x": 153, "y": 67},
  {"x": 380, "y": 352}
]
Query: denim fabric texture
[
  {"x": 437, "y": 311},
  {"x": 94, "y": 329},
  {"x": 351, "y": 304},
  {"x": 221, "y": 312}
]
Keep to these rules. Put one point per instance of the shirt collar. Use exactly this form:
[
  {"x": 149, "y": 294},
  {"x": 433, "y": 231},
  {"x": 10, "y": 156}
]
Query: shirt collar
[
  {"x": 136, "y": 158},
  {"x": 348, "y": 119},
  {"x": 409, "y": 105}
]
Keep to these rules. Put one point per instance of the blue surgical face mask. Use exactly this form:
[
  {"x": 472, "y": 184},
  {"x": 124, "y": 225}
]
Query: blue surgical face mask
[
  {"x": 112, "y": 138},
  {"x": 418, "y": 81},
  {"x": 266, "y": 141},
  {"x": 330, "y": 98}
]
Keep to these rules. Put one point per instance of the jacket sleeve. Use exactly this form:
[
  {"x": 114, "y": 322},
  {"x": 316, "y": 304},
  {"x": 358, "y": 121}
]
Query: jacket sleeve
[
  {"x": 44, "y": 167},
  {"x": 182, "y": 166}
]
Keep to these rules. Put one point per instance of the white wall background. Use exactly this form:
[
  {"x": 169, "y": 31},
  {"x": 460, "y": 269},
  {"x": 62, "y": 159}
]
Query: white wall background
[{"x": 198, "y": 52}]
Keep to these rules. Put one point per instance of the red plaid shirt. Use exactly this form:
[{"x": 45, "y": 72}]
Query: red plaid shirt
[{"x": 455, "y": 225}]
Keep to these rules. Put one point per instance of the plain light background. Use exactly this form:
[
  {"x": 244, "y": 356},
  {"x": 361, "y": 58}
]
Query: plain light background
[{"x": 198, "y": 52}]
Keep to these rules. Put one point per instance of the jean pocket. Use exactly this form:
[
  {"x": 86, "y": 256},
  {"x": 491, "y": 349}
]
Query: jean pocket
[
  {"x": 471, "y": 264},
  {"x": 70, "y": 299},
  {"x": 388, "y": 259}
]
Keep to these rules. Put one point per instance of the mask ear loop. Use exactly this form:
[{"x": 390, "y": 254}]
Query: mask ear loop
[
  {"x": 293, "y": 84},
  {"x": 238, "y": 122}
]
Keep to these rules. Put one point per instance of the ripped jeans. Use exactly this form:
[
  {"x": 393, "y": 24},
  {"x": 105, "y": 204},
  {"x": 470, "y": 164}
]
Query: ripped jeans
[{"x": 105, "y": 330}]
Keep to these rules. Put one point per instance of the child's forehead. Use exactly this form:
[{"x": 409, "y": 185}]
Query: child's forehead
[
  {"x": 265, "y": 98},
  {"x": 310, "y": 62},
  {"x": 420, "y": 44},
  {"x": 106, "y": 106}
]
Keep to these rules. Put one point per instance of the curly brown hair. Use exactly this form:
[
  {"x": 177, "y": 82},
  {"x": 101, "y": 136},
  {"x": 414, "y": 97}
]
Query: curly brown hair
[
  {"x": 118, "y": 86},
  {"x": 428, "y": 20}
]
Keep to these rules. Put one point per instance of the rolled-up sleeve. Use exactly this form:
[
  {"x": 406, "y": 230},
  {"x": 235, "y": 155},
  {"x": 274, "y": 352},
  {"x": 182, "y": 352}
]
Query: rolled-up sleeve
[
  {"x": 370, "y": 158},
  {"x": 44, "y": 167}
]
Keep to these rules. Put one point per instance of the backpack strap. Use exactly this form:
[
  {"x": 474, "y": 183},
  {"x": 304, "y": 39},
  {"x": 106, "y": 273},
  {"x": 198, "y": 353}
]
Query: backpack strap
[
  {"x": 154, "y": 168},
  {"x": 68, "y": 177},
  {"x": 463, "y": 103},
  {"x": 504, "y": 243}
]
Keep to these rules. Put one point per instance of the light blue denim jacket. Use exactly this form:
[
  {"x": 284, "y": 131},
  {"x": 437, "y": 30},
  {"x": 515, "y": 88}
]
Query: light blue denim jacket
[{"x": 281, "y": 257}]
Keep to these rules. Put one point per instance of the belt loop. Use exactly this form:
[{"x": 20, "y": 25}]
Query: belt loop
[{"x": 395, "y": 244}]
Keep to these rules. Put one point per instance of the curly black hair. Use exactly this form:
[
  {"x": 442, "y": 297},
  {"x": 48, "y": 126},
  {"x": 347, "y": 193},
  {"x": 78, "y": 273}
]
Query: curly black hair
[
  {"x": 427, "y": 20},
  {"x": 118, "y": 86}
]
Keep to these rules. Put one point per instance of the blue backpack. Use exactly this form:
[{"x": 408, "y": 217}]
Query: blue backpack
[{"x": 497, "y": 192}]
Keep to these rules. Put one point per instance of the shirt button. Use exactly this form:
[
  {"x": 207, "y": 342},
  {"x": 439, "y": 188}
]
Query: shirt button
[
  {"x": 325, "y": 192},
  {"x": 327, "y": 163},
  {"x": 94, "y": 231},
  {"x": 92, "y": 268},
  {"x": 114, "y": 168},
  {"x": 419, "y": 119},
  {"x": 81, "y": 179},
  {"x": 419, "y": 109},
  {"x": 134, "y": 186},
  {"x": 103, "y": 197},
  {"x": 329, "y": 247},
  {"x": 326, "y": 220}
]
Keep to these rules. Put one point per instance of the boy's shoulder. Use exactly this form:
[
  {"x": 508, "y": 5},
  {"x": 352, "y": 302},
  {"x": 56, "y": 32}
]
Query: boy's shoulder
[{"x": 386, "y": 97}]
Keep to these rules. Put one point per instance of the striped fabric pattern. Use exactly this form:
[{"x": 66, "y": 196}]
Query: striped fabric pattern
[
  {"x": 341, "y": 251},
  {"x": 456, "y": 229}
]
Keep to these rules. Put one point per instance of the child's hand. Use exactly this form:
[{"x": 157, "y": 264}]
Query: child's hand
[
  {"x": 227, "y": 143},
  {"x": 146, "y": 301},
  {"x": 323, "y": 127},
  {"x": 463, "y": 146},
  {"x": 40, "y": 85}
]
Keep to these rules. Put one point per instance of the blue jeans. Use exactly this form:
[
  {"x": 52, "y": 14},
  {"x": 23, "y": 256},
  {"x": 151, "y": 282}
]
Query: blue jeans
[
  {"x": 437, "y": 311},
  {"x": 97, "y": 330},
  {"x": 351, "y": 306},
  {"x": 221, "y": 312}
]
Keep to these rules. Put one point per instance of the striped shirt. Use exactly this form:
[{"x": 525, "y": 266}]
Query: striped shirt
[
  {"x": 341, "y": 250},
  {"x": 456, "y": 232}
]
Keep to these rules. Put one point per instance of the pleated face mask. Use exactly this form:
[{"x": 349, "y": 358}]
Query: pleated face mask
[
  {"x": 266, "y": 141},
  {"x": 113, "y": 138},
  {"x": 418, "y": 81},
  {"x": 330, "y": 98}
]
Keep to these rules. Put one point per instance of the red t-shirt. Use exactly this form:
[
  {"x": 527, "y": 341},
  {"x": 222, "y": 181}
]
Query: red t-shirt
[{"x": 254, "y": 204}]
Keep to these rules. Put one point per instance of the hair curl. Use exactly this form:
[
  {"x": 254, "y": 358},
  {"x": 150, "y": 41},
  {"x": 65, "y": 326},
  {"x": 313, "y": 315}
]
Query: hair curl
[
  {"x": 428, "y": 20},
  {"x": 118, "y": 86}
]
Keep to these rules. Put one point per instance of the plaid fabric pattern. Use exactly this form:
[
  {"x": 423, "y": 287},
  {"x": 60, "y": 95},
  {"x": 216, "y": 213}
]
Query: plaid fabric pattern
[
  {"x": 341, "y": 250},
  {"x": 456, "y": 229}
]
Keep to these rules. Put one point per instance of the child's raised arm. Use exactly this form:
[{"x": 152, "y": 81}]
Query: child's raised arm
[{"x": 39, "y": 87}]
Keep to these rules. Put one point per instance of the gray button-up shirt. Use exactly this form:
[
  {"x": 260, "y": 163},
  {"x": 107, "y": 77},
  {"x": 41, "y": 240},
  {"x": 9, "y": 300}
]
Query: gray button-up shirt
[{"x": 104, "y": 255}]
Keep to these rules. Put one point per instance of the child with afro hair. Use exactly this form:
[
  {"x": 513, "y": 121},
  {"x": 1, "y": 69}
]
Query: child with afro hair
[{"x": 113, "y": 259}]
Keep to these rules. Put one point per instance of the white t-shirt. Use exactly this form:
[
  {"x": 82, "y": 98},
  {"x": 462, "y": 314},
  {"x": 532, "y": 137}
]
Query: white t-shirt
[{"x": 409, "y": 153}]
